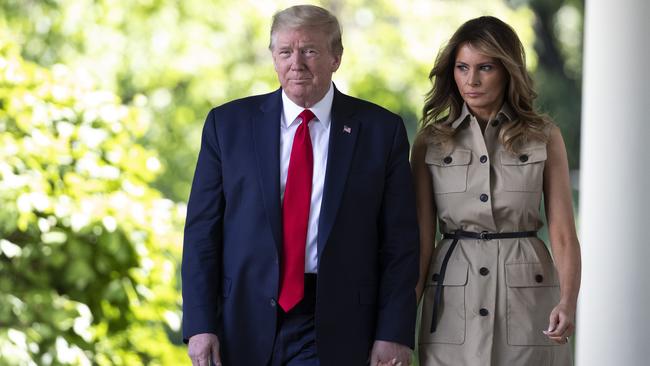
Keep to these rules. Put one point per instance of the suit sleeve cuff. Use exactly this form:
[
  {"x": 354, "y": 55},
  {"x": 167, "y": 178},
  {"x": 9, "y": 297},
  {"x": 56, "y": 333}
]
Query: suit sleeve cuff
[{"x": 202, "y": 319}]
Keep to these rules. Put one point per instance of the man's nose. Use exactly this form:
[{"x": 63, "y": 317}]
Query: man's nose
[{"x": 297, "y": 61}]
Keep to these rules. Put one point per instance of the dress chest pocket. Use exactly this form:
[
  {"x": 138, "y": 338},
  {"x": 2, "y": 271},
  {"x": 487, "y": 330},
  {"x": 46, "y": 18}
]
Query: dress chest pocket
[
  {"x": 523, "y": 172},
  {"x": 449, "y": 172}
]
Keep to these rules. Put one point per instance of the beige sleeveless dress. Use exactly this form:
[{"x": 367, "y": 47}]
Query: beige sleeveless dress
[{"x": 497, "y": 294}]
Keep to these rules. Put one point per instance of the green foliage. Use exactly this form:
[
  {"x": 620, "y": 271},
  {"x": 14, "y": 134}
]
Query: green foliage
[
  {"x": 88, "y": 249},
  {"x": 558, "y": 45},
  {"x": 176, "y": 59},
  {"x": 101, "y": 107},
  {"x": 561, "y": 99}
]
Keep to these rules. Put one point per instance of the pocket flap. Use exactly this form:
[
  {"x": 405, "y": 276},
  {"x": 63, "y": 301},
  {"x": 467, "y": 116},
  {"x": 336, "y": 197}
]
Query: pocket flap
[
  {"x": 456, "y": 274},
  {"x": 457, "y": 157},
  {"x": 524, "y": 157},
  {"x": 531, "y": 275}
]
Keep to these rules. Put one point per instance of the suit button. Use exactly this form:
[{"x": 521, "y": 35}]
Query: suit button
[
  {"x": 483, "y": 159},
  {"x": 447, "y": 160},
  {"x": 483, "y": 197},
  {"x": 484, "y": 271},
  {"x": 435, "y": 277},
  {"x": 495, "y": 122},
  {"x": 272, "y": 303},
  {"x": 523, "y": 158},
  {"x": 483, "y": 312},
  {"x": 539, "y": 278}
]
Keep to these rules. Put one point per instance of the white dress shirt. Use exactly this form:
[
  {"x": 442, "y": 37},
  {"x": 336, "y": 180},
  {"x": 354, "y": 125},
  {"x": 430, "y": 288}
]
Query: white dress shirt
[{"x": 319, "y": 130}]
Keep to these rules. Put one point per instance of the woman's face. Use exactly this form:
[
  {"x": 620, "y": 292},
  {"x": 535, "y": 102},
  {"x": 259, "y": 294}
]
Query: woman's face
[{"x": 481, "y": 81}]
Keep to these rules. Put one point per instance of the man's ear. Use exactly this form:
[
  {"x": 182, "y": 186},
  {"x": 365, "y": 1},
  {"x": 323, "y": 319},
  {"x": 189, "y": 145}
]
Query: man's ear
[
  {"x": 336, "y": 62},
  {"x": 275, "y": 63}
]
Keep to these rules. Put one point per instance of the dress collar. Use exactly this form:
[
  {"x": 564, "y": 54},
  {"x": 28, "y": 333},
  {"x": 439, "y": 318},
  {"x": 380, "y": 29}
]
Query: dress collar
[{"x": 505, "y": 114}]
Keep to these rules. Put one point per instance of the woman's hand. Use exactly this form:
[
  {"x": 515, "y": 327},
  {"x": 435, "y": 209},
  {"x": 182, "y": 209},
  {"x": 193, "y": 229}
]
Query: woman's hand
[{"x": 561, "y": 323}]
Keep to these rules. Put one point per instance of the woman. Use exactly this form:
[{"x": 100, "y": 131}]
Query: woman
[{"x": 481, "y": 161}]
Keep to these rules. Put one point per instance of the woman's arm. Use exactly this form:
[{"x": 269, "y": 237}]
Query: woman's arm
[
  {"x": 425, "y": 209},
  {"x": 562, "y": 233}
]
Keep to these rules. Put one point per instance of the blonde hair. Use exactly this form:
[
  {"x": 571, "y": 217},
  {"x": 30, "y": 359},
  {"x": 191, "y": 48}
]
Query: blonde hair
[
  {"x": 496, "y": 39},
  {"x": 302, "y": 16}
]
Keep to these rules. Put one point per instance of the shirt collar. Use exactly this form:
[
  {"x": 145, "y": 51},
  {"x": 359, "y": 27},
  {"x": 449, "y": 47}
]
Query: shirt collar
[
  {"x": 322, "y": 110},
  {"x": 464, "y": 114},
  {"x": 505, "y": 114}
]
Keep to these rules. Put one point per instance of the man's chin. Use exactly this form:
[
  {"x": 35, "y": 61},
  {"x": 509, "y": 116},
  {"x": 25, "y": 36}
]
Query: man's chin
[
  {"x": 300, "y": 85},
  {"x": 296, "y": 92}
]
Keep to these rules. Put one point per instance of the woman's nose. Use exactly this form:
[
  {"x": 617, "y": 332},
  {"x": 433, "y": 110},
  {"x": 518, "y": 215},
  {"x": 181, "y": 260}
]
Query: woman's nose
[{"x": 473, "y": 79}]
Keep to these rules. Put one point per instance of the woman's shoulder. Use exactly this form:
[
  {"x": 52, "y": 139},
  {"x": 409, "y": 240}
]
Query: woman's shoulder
[
  {"x": 427, "y": 147},
  {"x": 420, "y": 143},
  {"x": 549, "y": 127},
  {"x": 523, "y": 133}
]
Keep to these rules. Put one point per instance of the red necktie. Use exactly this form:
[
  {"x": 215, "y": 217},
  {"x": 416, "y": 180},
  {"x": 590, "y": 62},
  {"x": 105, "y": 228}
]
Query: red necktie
[{"x": 295, "y": 215}]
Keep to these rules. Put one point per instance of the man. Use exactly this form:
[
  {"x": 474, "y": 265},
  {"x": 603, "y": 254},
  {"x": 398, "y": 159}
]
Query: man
[{"x": 301, "y": 242}]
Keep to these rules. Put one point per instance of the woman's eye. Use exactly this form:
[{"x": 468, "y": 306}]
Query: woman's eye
[{"x": 486, "y": 67}]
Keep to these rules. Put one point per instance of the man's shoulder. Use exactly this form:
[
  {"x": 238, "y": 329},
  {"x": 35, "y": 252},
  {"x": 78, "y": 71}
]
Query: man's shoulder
[
  {"x": 367, "y": 108},
  {"x": 244, "y": 105}
]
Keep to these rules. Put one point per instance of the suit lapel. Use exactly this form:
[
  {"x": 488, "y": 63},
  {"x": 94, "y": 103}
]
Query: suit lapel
[
  {"x": 266, "y": 136},
  {"x": 343, "y": 136}
]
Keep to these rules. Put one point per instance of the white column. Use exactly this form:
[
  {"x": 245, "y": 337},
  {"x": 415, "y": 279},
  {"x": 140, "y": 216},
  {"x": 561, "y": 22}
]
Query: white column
[{"x": 614, "y": 306}]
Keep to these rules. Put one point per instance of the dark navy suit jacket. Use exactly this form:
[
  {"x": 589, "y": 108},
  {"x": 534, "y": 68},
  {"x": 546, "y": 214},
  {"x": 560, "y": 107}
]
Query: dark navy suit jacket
[{"x": 367, "y": 233}]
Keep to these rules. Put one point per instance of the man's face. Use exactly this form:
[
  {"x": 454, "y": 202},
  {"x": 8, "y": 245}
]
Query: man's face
[{"x": 304, "y": 64}]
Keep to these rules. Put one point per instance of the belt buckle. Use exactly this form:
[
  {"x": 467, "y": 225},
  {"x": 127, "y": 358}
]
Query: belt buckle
[{"x": 483, "y": 235}]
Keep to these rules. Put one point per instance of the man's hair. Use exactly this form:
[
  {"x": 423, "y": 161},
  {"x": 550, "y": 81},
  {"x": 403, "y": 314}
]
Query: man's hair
[{"x": 308, "y": 16}]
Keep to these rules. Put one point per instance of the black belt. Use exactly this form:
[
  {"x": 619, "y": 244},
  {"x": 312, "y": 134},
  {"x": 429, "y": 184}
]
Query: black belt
[{"x": 456, "y": 235}]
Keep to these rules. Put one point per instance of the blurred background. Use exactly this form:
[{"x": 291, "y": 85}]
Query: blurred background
[{"x": 101, "y": 108}]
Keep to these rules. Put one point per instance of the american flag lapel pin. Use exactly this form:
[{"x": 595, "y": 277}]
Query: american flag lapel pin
[{"x": 347, "y": 129}]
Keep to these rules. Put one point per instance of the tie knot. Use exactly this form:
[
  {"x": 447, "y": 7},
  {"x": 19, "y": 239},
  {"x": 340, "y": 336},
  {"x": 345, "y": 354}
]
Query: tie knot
[{"x": 306, "y": 116}]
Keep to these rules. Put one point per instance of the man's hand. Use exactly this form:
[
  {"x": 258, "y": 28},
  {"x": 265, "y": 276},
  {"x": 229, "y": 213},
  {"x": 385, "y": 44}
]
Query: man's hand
[
  {"x": 202, "y": 348},
  {"x": 389, "y": 354}
]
